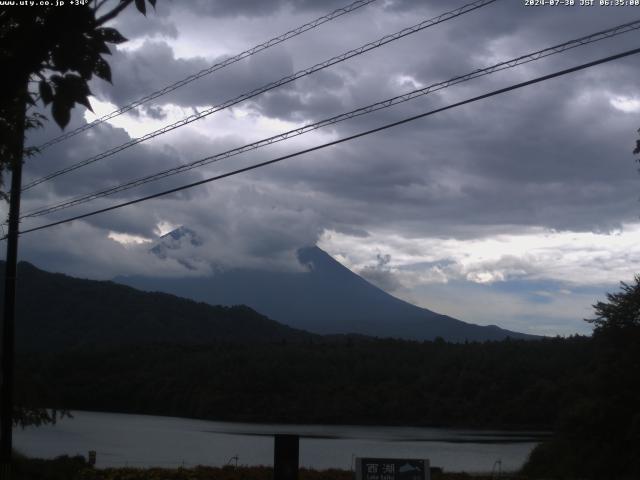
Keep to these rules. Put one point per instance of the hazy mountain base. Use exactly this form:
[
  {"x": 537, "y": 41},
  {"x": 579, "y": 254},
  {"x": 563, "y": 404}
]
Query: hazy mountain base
[
  {"x": 324, "y": 297},
  {"x": 56, "y": 312}
]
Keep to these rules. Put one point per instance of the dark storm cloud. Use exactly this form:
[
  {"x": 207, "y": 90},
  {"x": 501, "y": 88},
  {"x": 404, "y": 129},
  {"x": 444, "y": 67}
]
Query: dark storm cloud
[
  {"x": 157, "y": 22},
  {"x": 126, "y": 165},
  {"x": 310, "y": 98},
  {"x": 519, "y": 169},
  {"x": 241, "y": 224},
  {"x": 153, "y": 25},
  {"x": 258, "y": 8},
  {"x": 557, "y": 155},
  {"x": 153, "y": 66},
  {"x": 380, "y": 275}
]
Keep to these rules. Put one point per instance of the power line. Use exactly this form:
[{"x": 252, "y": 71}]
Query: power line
[
  {"x": 285, "y": 80},
  {"x": 342, "y": 140},
  {"x": 218, "y": 66},
  {"x": 278, "y": 83},
  {"x": 595, "y": 37}
]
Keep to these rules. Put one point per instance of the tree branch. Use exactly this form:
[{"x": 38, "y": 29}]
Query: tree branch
[{"x": 113, "y": 13}]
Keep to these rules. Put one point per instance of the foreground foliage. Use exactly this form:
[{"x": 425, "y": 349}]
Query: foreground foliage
[
  {"x": 76, "y": 468},
  {"x": 61, "y": 468},
  {"x": 245, "y": 473},
  {"x": 206, "y": 473},
  {"x": 598, "y": 436},
  {"x": 61, "y": 49}
]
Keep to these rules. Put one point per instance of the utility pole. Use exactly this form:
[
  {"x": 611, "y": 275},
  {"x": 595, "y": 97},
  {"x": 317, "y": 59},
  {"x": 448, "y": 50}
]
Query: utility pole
[{"x": 9, "y": 307}]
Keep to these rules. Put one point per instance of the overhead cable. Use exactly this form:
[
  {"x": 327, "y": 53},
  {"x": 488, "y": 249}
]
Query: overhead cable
[
  {"x": 336, "y": 142},
  {"x": 218, "y": 66},
  {"x": 270, "y": 86},
  {"x": 595, "y": 37}
]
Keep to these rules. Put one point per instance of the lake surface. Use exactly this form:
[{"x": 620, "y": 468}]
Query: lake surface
[{"x": 144, "y": 440}]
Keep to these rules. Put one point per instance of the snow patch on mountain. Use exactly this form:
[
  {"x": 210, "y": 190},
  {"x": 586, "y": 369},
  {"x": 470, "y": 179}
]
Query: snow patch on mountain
[{"x": 178, "y": 240}]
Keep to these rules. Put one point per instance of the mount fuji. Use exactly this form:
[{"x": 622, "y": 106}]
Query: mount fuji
[{"x": 324, "y": 297}]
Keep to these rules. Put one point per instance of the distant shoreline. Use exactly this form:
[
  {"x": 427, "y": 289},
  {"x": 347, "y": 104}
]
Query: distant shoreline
[
  {"x": 145, "y": 441},
  {"x": 533, "y": 433}
]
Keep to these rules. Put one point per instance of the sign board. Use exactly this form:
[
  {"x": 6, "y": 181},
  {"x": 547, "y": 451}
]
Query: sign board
[{"x": 392, "y": 469}]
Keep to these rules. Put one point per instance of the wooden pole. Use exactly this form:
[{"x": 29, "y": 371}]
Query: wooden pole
[{"x": 9, "y": 308}]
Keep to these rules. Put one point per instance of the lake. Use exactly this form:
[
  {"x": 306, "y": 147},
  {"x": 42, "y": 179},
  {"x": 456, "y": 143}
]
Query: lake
[{"x": 144, "y": 440}]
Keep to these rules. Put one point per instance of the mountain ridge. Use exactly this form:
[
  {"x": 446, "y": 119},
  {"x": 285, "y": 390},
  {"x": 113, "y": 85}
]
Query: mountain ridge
[
  {"x": 59, "y": 312},
  {"x": 326, "y": 299}
]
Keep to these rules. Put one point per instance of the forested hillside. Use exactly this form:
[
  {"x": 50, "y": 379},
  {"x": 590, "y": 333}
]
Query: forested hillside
[
  {"x": 509, "y": 384},
  {"x": 56, "y": 312}
]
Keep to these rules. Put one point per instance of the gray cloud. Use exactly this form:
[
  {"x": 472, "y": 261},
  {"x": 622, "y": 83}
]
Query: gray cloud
[
  {"x": 257, "y": 8},
  {"x": 555, "y": 155},
  {"x": 153, "y": 66},
  {"x": 380, "y": 274}
]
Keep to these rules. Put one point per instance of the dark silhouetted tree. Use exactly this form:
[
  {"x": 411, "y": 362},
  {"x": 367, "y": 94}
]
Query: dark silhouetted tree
[
  {"x": 48, "y": 54},
  {"x": 622, "y": 309},
  {"x": 598, "y": 436}
]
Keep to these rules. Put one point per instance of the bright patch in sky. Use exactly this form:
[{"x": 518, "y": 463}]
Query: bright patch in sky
[
  {"x": 218, "y": 124},
  {"x": 578, "y": 258},
  {"x": 164, "y": 227},
  {"x": 539, "y": 281},
  {"x": 127, "y": 239},
  {"x": 407, "y": 81},
  {"x": 626, "y": 104},
  {"x": 139, "y": 125}
]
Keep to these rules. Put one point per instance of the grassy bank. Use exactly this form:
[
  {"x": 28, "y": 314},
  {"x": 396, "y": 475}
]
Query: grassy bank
[{"x": 76, "y": 468}]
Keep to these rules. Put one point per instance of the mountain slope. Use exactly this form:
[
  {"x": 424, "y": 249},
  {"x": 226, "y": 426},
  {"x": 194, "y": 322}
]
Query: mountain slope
[
  {"x": 58, "y": 312},
  {"x": 326, "y": 299}
]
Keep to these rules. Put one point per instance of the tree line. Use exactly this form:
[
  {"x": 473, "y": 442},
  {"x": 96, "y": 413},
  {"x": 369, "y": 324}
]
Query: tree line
[{"x": 508, "y": 384}]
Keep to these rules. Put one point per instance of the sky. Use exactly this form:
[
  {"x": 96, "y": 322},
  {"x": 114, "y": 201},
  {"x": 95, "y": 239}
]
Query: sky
[{"x": 520, "y": 210}]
